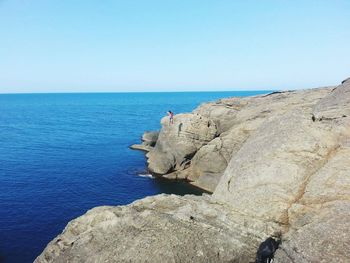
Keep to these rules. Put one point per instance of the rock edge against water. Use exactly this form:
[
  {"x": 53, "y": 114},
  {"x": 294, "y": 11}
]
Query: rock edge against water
[
  {"x": 149, "y": 140},
  {"x": 277, "y": 163}
]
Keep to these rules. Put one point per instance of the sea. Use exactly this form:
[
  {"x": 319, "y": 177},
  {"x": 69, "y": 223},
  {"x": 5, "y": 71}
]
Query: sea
[{"x": 63, "y": 154}]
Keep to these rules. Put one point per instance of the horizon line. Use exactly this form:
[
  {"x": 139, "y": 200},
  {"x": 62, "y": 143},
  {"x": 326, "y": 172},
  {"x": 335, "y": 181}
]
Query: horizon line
[{"x": 98, "y": 92}]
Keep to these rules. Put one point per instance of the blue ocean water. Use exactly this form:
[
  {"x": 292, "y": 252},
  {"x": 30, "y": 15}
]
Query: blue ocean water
[{"x": 63, "y": 154}]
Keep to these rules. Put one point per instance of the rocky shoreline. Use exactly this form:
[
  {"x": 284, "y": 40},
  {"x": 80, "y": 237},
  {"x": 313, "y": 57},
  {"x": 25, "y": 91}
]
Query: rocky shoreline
[{"x": 276, "y": 163}]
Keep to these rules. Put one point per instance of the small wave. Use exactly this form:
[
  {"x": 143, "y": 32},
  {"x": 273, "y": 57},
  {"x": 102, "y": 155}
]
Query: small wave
[{"x": 146, "y": 175}]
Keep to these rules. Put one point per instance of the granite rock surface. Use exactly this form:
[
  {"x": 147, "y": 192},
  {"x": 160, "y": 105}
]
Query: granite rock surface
[{"x": 278, "y": 163}]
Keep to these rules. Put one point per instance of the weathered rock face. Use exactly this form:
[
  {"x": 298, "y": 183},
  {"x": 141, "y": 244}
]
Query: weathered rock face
[
  {"x": 319, "y": 218},
  {"x": 280, "y": 162},
  {"x": 199, "y": 146},
  {"x": 208, "y": 165},
  {"x": 274, "y": 165},
  {"x": 336, "y": 105},
  {"x": 164, "y": 228},
  {"x": 319, "y": 221},
  {"x": 178, "y": 142}
]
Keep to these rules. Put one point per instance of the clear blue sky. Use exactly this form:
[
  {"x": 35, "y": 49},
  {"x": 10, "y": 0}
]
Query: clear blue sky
[{"x": 164, "y": 45}]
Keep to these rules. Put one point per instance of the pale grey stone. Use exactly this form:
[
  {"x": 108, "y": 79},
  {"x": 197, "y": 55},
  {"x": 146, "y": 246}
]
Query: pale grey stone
[{"x": 277, "y": 163}]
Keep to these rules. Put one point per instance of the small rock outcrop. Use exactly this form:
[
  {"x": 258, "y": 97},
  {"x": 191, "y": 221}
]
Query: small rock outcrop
[
  {"x": 178, "y": 142},
  {"x": 149, "y": 140},
  {"x": 276, "y": 163}
]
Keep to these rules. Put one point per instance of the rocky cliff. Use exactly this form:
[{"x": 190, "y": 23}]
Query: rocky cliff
[{"x": 277, "y": 163}]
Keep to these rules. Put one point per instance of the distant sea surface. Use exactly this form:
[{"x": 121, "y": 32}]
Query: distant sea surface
[{"x": 63, "y": 154}]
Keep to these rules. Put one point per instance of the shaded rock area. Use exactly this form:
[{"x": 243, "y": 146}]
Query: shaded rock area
[
  {"x": 277, "y": 163},
  {"x": 148, "y": 139}
]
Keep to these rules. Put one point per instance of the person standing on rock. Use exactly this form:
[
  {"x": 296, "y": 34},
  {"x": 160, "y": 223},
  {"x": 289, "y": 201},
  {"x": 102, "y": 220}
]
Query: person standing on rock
[{"x": 171, "y": 117}]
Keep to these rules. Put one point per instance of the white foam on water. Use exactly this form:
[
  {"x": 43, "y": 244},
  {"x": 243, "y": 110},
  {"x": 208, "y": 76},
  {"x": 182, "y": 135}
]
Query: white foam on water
[{"x": 146, "y": 175}]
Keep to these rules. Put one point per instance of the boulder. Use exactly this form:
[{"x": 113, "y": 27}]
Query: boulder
[
  {"x": 208, "y": 165},
  {"x": 149, "y": 139},
  {"x": 178, "y": 142},
  {"x": 222, "y": 112}
]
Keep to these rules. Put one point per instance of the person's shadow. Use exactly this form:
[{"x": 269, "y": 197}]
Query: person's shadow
[{"x": 179, "y": 130}]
